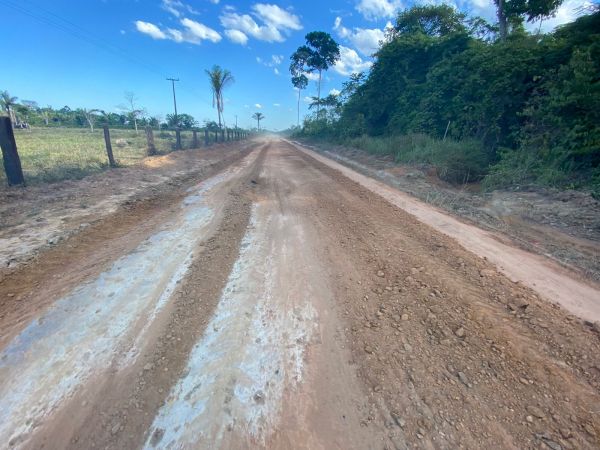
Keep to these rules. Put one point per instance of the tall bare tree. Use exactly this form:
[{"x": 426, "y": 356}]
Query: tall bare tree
[
  {"x": 132, "y": 108},
  {"x": 219, "y": 79},
  {"x": 300, "y": 82}
]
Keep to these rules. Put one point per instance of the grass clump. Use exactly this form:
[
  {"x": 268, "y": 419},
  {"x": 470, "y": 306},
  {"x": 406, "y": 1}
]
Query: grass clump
[{"x": 456, "y": 162}]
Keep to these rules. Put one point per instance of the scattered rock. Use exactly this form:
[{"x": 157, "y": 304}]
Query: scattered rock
[
  {"x": 463, "y": 379},
  {"x": 405, "y": 317},
  {"x": 460, "y": 332},
  {"x": 381, "y": 273},
  {"x": 115, "y": 429},
  {"x": 536, "y": 412},
  {"x": 368, "y": 349},
  {"x": 259, "y": 397}
]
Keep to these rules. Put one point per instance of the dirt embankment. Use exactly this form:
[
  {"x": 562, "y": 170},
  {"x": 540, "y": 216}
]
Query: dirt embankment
[
  {"x": 35, "y": 218},
  {"x": 564, "y": 226}
]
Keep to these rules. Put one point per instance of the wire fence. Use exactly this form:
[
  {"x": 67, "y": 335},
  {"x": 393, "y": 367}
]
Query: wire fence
[{"x": 54, "y": 154}]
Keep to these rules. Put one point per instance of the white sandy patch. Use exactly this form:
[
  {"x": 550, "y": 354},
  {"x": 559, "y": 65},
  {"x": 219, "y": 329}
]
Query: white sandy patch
[
  {"x": 82, "y": 333},
  {"x": 253, "y": 349}
]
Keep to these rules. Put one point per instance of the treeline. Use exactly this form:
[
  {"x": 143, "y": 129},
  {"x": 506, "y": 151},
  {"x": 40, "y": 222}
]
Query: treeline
[
  {"x": 447, "y": 89},
  {"x": 28, "y": 113}
]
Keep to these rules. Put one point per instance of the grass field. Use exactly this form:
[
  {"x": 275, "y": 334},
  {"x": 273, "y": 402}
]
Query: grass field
[{"x": 54, "y": 154}]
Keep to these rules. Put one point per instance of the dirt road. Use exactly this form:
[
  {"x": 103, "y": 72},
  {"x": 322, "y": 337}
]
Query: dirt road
[{"x": 278, "y": 302}]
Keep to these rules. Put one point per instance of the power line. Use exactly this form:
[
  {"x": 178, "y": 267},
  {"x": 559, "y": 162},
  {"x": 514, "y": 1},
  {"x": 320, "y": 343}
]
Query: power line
[{"x": 54, "y": 20}]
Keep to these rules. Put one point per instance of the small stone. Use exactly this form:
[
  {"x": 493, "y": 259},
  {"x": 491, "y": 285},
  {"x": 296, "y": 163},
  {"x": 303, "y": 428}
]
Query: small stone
[
  {"x": 115, "y": 429},
  {"x": 566, "y": 433},
  {"x": 408, "y": 347},
  {"x": 589, "y": 429},
  {"x": 524, "y": 381},
  {"x": 380, "y": 273},
  {"x": 529, "y": 419},
  {"x": 368, "y": 349},
  {"x": 463, "y": 379},
  {"x": 259, "y": 397},
  {"x": 536, "y": 412},
  {"x": 460, "y": 332},
  {"x": 405, "y": 317}
]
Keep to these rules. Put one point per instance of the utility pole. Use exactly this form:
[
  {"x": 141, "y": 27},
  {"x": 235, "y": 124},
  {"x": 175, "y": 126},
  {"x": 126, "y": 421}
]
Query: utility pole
[{"x": 173, "y": 80}]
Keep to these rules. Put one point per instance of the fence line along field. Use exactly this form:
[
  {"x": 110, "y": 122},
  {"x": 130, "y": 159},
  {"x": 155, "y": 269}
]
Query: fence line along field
[{"x": 54, "y": 154}]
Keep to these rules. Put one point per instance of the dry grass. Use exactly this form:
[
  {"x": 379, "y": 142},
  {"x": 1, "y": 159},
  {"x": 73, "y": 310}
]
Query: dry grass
[{"x": 54, "y": 154}]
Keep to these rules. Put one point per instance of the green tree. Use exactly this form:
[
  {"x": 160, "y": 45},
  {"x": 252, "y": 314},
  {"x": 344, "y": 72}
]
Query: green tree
[
  {"x": 319, "y": 53},
  {"x": 431, "y": 20},
  {"x": 258, "y": 116},
  {"x": 8, "y": 102},
  {"x": 219, "y": 79},
  {"x": 300, "y": 82},
  {"x": 515, "y": 11},
  {"x": 184, "y": 121}
]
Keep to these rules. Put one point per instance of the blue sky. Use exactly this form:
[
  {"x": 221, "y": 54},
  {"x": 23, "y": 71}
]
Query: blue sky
[{"x": 89, "y": 53}]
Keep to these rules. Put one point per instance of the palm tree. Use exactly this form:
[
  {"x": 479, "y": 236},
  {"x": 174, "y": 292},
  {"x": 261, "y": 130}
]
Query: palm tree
[
  {"x": 90, "y": 116},
  {"x": 258, "y": 117},
  {"x": 219, "y": 79},
  {"x": 7, "y": 103}
]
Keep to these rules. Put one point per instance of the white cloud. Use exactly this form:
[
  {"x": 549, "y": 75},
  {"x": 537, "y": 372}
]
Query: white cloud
[
  {"x": 200, "y": 31},
  {"x": 335, "y": 92},
  {"x": 350, "y": 62},
  {"x": 276, "y": 71},
  {"x": 314, "y": 76},
  {"x": 275, "y": 16},
  {"x": 194, "y": 32},
  {"x": 566, "y": 12},
  {"x": 237, "y": 37},
  {"x": 276, "y": 105},
  {"x": 378, "y": 9},
  {"x": 177, "y": 8},
  {"x": 258, "y": 105},
  {"x": 150, "y": 29},
  {"x": 273, "y": 23},
  {"x": 365, "y": 40}
]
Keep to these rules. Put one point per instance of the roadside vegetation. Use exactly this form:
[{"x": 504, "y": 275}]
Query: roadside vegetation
[
  {"x": 54, "y": 154},
  {"x": 478, "y": 102}
]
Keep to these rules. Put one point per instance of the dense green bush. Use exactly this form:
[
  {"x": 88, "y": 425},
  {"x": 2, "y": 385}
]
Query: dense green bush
[
  {"x": 455, "y": 162},
  {"x": 526, "y": 108}
]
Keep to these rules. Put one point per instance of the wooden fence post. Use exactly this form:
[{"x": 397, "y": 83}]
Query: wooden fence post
[
  {"x": 150, "y": 140},
  {"x": 178, "y": 139},
  {"x": 10, "y": 156},
  {"x": 109, "y": 152},
  {"x": 216, "y": 136},
  {"x": 206, "y": 138},
  {"x": 195, "y": 139}
]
